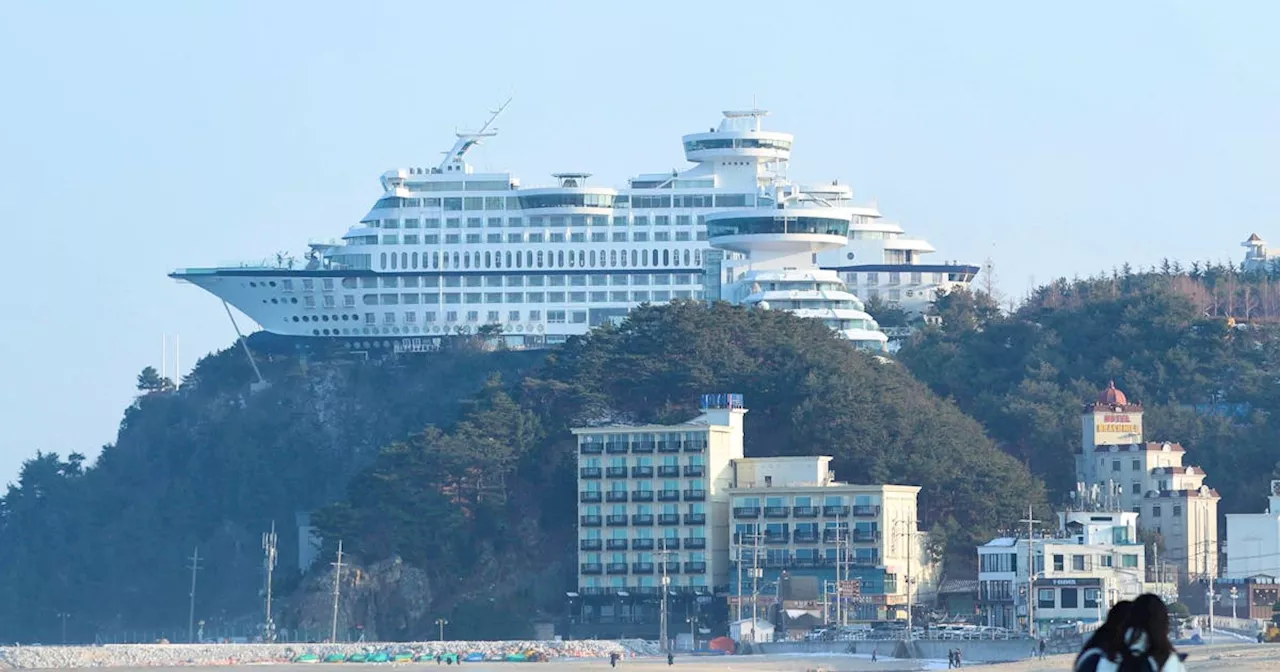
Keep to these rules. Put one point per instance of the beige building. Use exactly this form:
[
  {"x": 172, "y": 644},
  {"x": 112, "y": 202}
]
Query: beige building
[
  {"x": 1117, "y": 469},
  {"x": 792, "y": 519}
]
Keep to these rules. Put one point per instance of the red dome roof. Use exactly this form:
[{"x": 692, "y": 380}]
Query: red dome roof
[{"x": 1111, "y": 396}]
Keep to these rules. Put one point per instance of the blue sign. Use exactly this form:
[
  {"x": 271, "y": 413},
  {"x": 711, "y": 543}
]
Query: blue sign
[{"x": 722, "y": 401}]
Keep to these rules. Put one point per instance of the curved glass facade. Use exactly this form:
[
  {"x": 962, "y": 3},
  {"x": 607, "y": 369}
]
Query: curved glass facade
[
  {"x": 741, "y": 226},
  {"x": 569, "y": 200},
  {"x": 736, "y": 143}
]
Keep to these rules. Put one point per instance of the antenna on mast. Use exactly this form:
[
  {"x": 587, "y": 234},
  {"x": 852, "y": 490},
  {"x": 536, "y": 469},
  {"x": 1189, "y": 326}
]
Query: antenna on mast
[{"x": 453, "y": 158}]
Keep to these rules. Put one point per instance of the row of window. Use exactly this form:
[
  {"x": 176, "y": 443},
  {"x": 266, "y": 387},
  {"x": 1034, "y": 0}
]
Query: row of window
[
  {"x": 754, "y": 502},
  {"x": 471, "y": 298},
  {"x": 894, "y": 278},
  {"x": 519, "y": 238},
  {"x": 513, "y": 280},
  {"x": 1008, "y": 562},
  {"x": 540, "y": 259},
  {"x": 568, "y": 200},
  {"x": 619, "y": 583},
  {"x": 538, "y": 222}
]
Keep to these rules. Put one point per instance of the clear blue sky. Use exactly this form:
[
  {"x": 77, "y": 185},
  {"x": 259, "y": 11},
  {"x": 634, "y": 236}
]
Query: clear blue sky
[{"x": 136, "y": 137}]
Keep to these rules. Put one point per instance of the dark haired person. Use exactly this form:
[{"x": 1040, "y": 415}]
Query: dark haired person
[
  {"x": 1146, "y": 646},
  {"x": 1107, "y": 641}
]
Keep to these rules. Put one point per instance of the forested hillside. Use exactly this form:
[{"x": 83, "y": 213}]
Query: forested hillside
[
  {"x": 1167, "y": 339},
  {"x": 484, "y": 507}
]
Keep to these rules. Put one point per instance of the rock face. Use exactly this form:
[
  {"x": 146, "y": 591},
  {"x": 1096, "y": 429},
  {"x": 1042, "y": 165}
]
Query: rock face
[{"x": 384, "y": 600}]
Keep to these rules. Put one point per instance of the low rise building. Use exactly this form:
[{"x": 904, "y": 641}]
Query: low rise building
[{"x": 1253, "y": 541}]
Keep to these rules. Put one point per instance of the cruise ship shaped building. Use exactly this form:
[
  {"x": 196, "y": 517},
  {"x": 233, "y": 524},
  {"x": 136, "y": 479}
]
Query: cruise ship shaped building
[{"x": 448, "y": 250}]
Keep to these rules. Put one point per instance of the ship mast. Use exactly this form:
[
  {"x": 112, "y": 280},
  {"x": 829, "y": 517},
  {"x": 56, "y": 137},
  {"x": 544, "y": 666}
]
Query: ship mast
[{"x": 453, "y": 158}]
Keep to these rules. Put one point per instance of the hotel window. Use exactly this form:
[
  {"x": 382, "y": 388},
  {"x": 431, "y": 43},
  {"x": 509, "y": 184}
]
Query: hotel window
[
  {"x": 682, "y": 236},
  {"x": 515, "y": 297},
  {"x": 1115, "y": 465},
  {"x": 451, "y": 316},
  {"x": 1135, "y": 488},
  {"x": 619, "y": 221},
  {"x": 515, "y": 222},
  {"x": 1059, "y": 562},
  {"x": 453, "y": 204},
  {"x": 1044, "y": 598},
  {"x": 873, "y": 278},
  {"x": 1177, "y": 510},
  {"x": 513, "y": 316},
  {"x": 493, "y": 316},
  {"x": 473, "y": 203},
  {"x": 389, "y": 318},
  {"x": 640, "y": 237},
  {"x": 493, "y": 297},
  {"x": 1137, "y": 465},
  {"x": 410, "y": 317},
  {"x": 493, "y": 203},
  {"x": 473, "y": 238},
  {"x": 556, "y": 238},
  {"x": 1077, "y": 563},
  {"x": 555, "y": 316},
  {"x": 429, "y": 317},
  {"x": 535, "y": 237},
  {"x": 349, "y": 301},
  {"x": 535, "y": 315},
  {"x": 579, "y": 317},
  {"x": 915, "y": 278},
  {"x": 599, "y": 237},
  {"x": 1155, "y": 511},
  {"x": 431, "y": 223},
  {"x": 577, "y": 237},
  {"x": 493, "y": 238}
]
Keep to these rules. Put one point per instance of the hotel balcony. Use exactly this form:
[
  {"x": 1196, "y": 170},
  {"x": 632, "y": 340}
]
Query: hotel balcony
[
  {"x": 805, "y": 536},
  {"x": 776, "y": 512},
  {"x": 591, "y": 568},
  {"x": 669, "y": 544},
  {"x": 615, "y": 496},
  {"x": 591, "y": 448},
  {"x": 590, "y": 496},
  {"x": 695, "y": 567},
  {"x": 807, "y": 563},
  {"x": 668, "y": 471},
  {"x": 745, "y": 511},
  {"x": 616, "y": 521},
  {"x": 615, "y": 448},
  {"x": 695, "y": 495},
  {"x": 616, "y": 568},
  {"x": 831, "y": 536},
  {"x": 695, "y": 519},
  {"x": 642, "y": 568},
  {"x": 668, "y": 519},
  {"x": 616, "y": 544},
  {"x": 642, "y": 519},
  {"x": 642, "y": 472},
  {"x": 866, "y": 535},
  {"x": 839, "y": 510},
  {"x": 668, "y": 495},
  {"x": 668, "y": 447},
  {"x": 866, "y": 510},
  {"x": 642, "y": 544},
  {"x": 615, "y": 472},
  {"x": 642, "y": 447},
  {"x": 695, "y": 470},
  {"x": 642, "y": 495},
  {"x": 805, "y": 512},
  {"x": 776, "y": 537},
  {"x": 695, "y": 543},
  {"x": 670, "y": 567},
  {"x": 590, "y": 521},
  {"x": 590, "y": 544},
  {"x": 695, "y": 446},
  {"x": 589, "y": 472}
]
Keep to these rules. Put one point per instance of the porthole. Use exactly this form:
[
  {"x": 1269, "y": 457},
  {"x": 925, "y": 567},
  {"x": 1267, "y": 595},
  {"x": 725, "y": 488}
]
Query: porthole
[
  {"x": 293, "y": 299},
  {"x": 324, "y": 318},
  {"x": 295, "y": 318},
  {"x": 275, "y": 300},
  {"x": 315, "y": 332},
  {"x": 272, "y": 283},
  {"x": 253, "y": 284}
]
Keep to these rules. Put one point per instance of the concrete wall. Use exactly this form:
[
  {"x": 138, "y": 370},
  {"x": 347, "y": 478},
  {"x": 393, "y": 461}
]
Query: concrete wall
[{"x": 978, "y": 651}]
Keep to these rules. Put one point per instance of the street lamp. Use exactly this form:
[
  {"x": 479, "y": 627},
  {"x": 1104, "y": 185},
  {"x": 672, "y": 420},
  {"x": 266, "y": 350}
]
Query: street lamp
[
  {"x": 64, "y": 616},
  {"x": 1235, "y": 595},
  {"x": 442, "y": 622}
]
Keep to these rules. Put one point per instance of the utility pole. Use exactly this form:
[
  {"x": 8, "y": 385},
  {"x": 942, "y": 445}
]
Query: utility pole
[
  {"x": 755, "y": 582},
  {"x": 1031, "y": 572},
  {"x": 64, "y": 616},
  {"x": 269, "y": 549},
  {"x": 910, "y": 542},
  {"x": 337, "y": 584},
  {"x": 662, "y": 618},
  {"x": 740, "y": 558},
  {"x": 191, "y": 613},
  {"x": 839, "y": 597}
]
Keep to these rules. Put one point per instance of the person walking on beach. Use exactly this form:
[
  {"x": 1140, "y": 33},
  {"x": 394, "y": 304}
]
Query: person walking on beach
[
  {"x": 951, "y": 658},
  {"x": 1042, "y": 646}
]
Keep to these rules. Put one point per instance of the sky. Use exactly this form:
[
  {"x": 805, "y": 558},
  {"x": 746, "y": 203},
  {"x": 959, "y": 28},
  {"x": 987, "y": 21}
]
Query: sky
[{"x": 1055, "y": 139}]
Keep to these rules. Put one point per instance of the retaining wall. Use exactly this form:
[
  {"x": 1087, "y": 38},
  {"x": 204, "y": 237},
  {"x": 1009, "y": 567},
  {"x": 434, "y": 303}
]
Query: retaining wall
[{"x": 976, "y": 650}]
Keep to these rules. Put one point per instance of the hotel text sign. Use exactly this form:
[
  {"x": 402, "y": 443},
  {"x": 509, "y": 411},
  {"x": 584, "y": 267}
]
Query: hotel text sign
[{"x": 1116, "y": 428}]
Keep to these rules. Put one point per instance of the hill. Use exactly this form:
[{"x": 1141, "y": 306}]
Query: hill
[{"x": 473, "y": 490}]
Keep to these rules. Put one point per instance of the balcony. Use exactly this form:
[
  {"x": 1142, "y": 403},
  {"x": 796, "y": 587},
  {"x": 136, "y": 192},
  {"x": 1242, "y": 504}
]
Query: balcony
[
  {"x": 695, "y": 470},
  {"x": 589, "y": 472},
  {"x": 776, "y": 512},
  {"x": 695, "y": 543},
  {"x": 642, "y": 495},
  {"x": 669, "y": 544},
  {"x": 615, "y": 448},
  {"x": 590, "y": 521},
  {"x": 616, "y": 521},
  {"x": 642, "y": 568},
  {"x": 590, "y": 544},
  {"x": 744, "y": 511},
  {"x": 642, "y": 447},
  {"x": 668, "y": 495},
  {"x": 695, "y": 567},
  {"x": 642, "y": 544},
  {"x": 805, "y": 512},
  {"x": 642, "y": 519},
  {"x": 805, "y": 536},
  {"x": 695, "y": 495},
  {"x": 668, "y": 519},
  {"x": 776, "y": 537},
  {"x": 837, "y": 510},
  {"x": 670, "y": 567},
  {"x": 616, "y": 568},
  {"x": 615, "y": 496},
  {"x": 695, "y": 446},
  {"x": 591, "y": 448},
  {"x": 668, "y": 447},
  {"x": 866, "y": 535},
  {"x": 590, "y": 568},
  {"x": 830, "y": 536},
  {"x": 616, "y": 544},
  {"x": 644, "y": 471},
  {"x": 866, "y": 510},
  {"x": 668, "y": 471},
  {"x": 695, "y": 519},
  {"x": 590, "y": 496},
  {"x": 806, "y": 563},
  {"x": 615, "y": 472}
]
